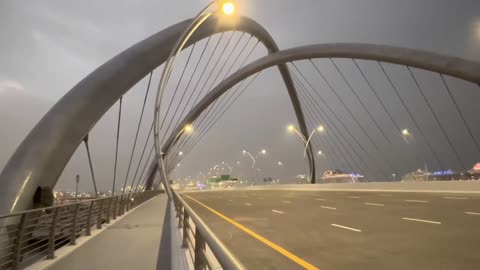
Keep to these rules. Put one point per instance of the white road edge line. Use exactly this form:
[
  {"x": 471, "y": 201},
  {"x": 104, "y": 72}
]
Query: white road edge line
[
  {"x": 420, "y": 201},
  {"x": 353, "y": 197},
  {"x": 248, "y": 204},
  {"x": 320, "y": 199},
  {"x": 277, "y": 211},
  {"x": 422, "y": 220},
  {"x": 328, "y": 207},
  {"x": 287, "y": 201},
  {"x": 346, "y": 228},
  {"x": 472, "y": 213},
  {"x": 455, "y": 198},
  {"x": 376, "y": 204}
]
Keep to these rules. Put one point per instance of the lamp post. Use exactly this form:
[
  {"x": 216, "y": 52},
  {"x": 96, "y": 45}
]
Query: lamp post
[
  {"x": 306, "y": 142},
  {"x": 230, "y": 168},
  {"x": 225, "y": 7},
  {"x": 254, "y": 160},
  {"x": 77, "y": 180}
]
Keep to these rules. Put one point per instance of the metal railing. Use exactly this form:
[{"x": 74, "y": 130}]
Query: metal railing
[
  {"x": 205, "y": 249},
  {"x": 27, "y": 237}
]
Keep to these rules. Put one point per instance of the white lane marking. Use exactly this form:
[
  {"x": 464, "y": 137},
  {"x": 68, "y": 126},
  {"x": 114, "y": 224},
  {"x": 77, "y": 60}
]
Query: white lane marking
[
  {"x": 375, "y": 204},
  {"x": 420, "y": 201},
  {"x": 320, "y": 199},
  {"x": 328, "y": 207},
  {"x": 385, "y": 195},
  {"x": 353, "y": 197},
  {"x": 287, "y": 201},
  {"x": 277, "y": 211},
  {"x": 248, "y": 204},
  {"x": 422, "y": 220},
  {"x": 346, "y": 228},
  {"x": 455, "y": 198},
  {"x": 472, "y": 213}
]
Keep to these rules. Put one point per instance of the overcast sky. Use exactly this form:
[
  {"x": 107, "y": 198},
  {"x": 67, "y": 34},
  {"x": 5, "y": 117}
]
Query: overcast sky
[{"x": 48, "y": 46}]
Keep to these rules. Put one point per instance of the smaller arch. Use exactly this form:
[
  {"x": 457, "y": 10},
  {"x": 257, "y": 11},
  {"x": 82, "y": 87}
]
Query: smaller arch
[{"x": 448, "y": 65}]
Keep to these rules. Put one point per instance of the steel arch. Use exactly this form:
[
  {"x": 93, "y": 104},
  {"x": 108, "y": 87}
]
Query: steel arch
[
  {"x": 44, "y": 153},
  {"x": 452, "y": 66}
]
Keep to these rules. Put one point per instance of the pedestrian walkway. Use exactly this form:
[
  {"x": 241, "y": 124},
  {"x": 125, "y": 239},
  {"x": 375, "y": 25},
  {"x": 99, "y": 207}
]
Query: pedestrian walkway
[{"x": 131, "y": 243}]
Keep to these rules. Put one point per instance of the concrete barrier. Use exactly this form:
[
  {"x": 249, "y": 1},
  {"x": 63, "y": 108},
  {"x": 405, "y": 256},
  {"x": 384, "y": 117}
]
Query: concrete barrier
[{"x": 433, "y": 186}]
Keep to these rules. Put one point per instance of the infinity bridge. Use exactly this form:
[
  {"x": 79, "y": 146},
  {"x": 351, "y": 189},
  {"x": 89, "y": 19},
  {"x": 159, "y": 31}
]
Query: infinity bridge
[{"x": 369, "y": 109}]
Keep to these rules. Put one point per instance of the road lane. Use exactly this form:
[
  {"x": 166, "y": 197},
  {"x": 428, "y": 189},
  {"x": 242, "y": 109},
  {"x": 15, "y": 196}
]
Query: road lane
[{"x": 386, "y": 241}]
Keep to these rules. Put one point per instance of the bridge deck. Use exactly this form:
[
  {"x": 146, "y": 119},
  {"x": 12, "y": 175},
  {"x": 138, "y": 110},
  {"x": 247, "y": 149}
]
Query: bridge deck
[
  {"x": 342, "y": 230},
  {"x": 131, "y": 243}
]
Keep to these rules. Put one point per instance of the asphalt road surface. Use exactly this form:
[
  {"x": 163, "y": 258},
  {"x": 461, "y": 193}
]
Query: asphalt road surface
[{"x": 345, "y": 230}]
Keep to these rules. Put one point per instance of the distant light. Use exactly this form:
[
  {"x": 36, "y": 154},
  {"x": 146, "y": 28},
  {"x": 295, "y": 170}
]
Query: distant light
[
  {"x": 188, "y": 128},
  {"x": 238, "y": 162},
  {"x": 291, "y": 128},
  {"x": 405, "y": 132},
  {"x": 244, "y": 151},
  {"x": 321, "y": 128},
  {"x": 264, "y": 152},
  {"x": 320, "y": 152},
  {"x": 228, "y": 8},
  {"x": 180, "y": 153},
  {"x": 178, "y": 164},
  {"x": 280, "y": 163}
]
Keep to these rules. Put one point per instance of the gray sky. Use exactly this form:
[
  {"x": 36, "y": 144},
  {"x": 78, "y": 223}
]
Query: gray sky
[{"x": 48, "y": 46}]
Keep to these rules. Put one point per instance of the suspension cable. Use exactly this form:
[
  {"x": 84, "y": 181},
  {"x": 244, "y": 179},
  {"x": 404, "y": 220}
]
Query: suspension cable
[
  {"x": 85, "y": 141},
  {"x": 411, "y": 116},
  {"x": 460, "y": 113},
  {"x": 116, "y": 146},
  {"x": 138, "y": 130}
]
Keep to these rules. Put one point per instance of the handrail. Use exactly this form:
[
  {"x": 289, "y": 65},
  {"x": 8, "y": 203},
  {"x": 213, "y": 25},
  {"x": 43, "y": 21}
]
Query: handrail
[
  {"x": 204, "y": 237},
  {"x": 29, "y": 236}
]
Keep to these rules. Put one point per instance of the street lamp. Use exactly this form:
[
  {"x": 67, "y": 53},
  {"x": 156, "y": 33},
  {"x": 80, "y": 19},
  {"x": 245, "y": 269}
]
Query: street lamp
[
  {"x": 254, "y": 159},
  {"x": 230, "y": 168},
  {"x": 180, "y": 153},
  {"x": 292, "y": 128},
  {"x": 320, "y": 153},
  {"x": 405, "y": 132},
  {"x": 227, "y": 8},
  {"x": 280, "y": 163}
]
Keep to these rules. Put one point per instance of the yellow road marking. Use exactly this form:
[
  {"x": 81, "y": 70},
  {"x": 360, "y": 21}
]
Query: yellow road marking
[{"x": 260, "y": 238}]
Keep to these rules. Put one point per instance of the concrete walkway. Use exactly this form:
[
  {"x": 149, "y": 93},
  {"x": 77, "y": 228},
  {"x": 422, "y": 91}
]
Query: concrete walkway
[{"x": 131, "y": 243}]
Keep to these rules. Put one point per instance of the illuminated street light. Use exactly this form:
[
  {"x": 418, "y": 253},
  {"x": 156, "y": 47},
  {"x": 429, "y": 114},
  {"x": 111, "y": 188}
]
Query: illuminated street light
[
  {"x": 178, "y": 164},
  {"x": 405, "y": 132},
  {"x": 188, "y": 128},
  {"x": 263, "y": 152},
  {"x": 180, "y": 153},
  {"x": 320, "y": 153},
  {"x": 321, "y": 128},
  {"x": 280, "y": 163},
  {"x": 227, "y": 7}
]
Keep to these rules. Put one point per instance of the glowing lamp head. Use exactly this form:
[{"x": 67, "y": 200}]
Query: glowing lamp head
[
  {"x": 188, "y": 128},
  {"x": 320, "y": 153},
  {"x": 405, "y": 132},
  {"x": 320, "y": 129},
  {"x": 291, "y": 128},
  {"x": 227, "y": 7},
  {"x": 180, "y": 153},
  {"x": 244, "y": 151},
  {"x": 264, "y": 152}
]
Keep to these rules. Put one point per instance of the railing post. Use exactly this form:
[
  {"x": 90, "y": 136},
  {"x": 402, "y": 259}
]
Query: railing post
[
  {"x": 51, "y": 236},
  {"x": 89, "y": 220},
  {"x": 180, "y": 216},
  {"x": 109, "y": 210},
  {"x": 73, "y": 236},
  {"x": 99, "y": 217},
  {"x": 17, "y": 249},
  {"x": 185, "y": 229},
  {"x": 200, "y": 262},
  {"x": 115, "y": 207}
]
